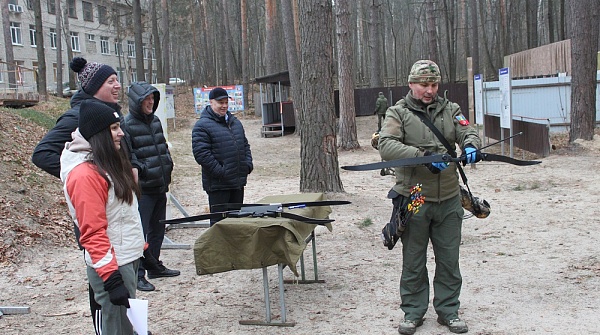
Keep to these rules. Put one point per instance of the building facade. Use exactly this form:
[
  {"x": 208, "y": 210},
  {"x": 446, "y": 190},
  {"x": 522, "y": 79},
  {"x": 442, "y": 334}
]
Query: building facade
[{"x": 97, "y": 30}]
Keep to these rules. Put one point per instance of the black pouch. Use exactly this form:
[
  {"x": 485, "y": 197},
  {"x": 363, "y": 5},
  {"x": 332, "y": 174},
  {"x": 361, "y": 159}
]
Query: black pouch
[{"x": 392, "y": 231}]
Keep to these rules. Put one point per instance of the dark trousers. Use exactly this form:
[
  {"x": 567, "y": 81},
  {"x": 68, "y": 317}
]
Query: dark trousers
[
  {"x": 224, "y": 197},
  {"x": 153, "y": 208}
]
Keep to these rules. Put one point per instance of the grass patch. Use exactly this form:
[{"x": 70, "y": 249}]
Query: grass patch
[
  {"x": 36, "y": 117},
  {"x": 366, "y": 222}
]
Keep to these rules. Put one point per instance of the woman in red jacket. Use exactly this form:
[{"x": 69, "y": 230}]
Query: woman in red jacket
[{"x": 101, "y": 192}]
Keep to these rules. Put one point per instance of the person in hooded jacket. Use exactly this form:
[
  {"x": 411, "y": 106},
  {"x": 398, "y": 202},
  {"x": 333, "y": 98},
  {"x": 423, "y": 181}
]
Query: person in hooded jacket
[
  {"x": 152, "y": 162},
  {"x": 99, "y": 83},
  {"x": 101, "y": 194},
  {"x": 220, "y": 146}
]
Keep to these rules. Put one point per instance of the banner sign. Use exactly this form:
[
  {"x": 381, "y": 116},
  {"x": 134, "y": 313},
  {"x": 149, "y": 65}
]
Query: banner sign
[
  {"x": 505, "y": 103},
  {"x": 235, "y": 92},
  {"x": 478, "y": 84}
]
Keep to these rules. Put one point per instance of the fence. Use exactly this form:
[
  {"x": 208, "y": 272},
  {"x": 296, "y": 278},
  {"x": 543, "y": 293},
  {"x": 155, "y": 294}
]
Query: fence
[{"x": 22, "y": 91}]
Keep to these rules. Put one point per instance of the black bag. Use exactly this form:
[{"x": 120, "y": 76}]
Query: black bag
[{"x": 392, "y": 231}]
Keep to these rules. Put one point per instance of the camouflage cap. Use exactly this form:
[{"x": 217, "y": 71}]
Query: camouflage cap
[{"x": 424, "y": 71}]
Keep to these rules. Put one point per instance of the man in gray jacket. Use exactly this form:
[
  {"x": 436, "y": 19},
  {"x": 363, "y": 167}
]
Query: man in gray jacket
[{"x": 152, "y": 161}]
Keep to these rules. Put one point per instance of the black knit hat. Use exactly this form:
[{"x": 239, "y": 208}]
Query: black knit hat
[
  {"x": 94, "y": 117},
  {"x": 91, "y": 75},
  {"x": 218, "y": 93}
]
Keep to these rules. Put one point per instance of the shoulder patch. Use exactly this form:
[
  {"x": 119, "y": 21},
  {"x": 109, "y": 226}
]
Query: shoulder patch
[{"x": 462, "y": 120}]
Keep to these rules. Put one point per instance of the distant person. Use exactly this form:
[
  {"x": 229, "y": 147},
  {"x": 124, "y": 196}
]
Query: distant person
[
  {"x": 101, "y": 194},
  {"x": 153, "y": 164},
  {"x": 220, "y": 146},
  {"x": 381, "y": 105},
  {"x": 98, "y": 83},
  {"x": 406, "y": 134}
]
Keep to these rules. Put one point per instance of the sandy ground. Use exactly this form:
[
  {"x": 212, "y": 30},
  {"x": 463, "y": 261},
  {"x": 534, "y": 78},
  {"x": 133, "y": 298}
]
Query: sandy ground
[{"x": 532, "y": 267}]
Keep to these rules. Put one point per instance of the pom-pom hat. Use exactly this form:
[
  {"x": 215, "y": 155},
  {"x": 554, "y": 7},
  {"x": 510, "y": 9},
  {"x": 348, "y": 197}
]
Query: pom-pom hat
[{"x": 91, "y": 75}]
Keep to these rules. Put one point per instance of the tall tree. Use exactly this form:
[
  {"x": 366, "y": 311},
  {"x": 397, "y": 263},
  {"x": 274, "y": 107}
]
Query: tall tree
[
  {"x": 319, "y": 170},
  {"x": 432, "y": 37},
  {"x": 39, "y": 40},
  {"x": 474, "y": 36},
  {"x": 291, "y": 51},
  {"x": 347, "y": 126},
  {"x": 271, "y": 46},
  {"x": 160, "y": 77},
  {"x": 375, "y": 44},
  {"x": 10, "y": 58},
  {"x": 166, "y": 41},
  {"x": 584, "y": 51},
  {"x": 137, "y": 38},
  {"x": 59, "y": 67},
  {"x": 245, "y": 48},
  {"x": 69, "y": 46}
]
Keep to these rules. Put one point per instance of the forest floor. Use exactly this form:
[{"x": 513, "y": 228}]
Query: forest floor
[{"x": 531, "y": 267}]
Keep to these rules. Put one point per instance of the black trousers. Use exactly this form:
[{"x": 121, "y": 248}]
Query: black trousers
[
  {"x": 224, "y": 197},
  {"x": 153, "y": 208}
]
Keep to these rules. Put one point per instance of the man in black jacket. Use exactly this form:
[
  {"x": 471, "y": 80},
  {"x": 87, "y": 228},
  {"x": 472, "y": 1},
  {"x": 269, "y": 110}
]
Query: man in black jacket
[
  {"x": 220, "y": 146},
  {"x": 152, "y": 162}
]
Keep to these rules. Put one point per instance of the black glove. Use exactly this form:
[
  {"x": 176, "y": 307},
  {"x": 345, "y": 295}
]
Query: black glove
[
  {"x": 150, "y": 263},
  {"x": 433, "y": 169},
  {"x": 117, "y": 292}
]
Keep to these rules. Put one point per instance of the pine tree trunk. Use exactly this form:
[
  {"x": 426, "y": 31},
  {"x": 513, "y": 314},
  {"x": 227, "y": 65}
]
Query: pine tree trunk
[
  {"x": 39, "y": 39},
  {"x": 347, "y": 126},
  {"x": 319, "y": 170},
  {"x": 584, "y": 49}
]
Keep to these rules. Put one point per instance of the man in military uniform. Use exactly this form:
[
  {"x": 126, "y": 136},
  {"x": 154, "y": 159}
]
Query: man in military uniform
[
  {"x": 439, "y": 219},
  {"x": 381, "y": 105}
]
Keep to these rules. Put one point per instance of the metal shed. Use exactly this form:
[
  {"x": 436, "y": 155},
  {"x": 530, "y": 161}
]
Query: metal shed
[{"x": 277, "y": 109}]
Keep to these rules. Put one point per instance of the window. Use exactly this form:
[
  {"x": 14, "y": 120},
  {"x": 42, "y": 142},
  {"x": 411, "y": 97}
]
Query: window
[
  {"x": 153, "y": 54},
  {"x": 130, "y": 49},
  {"x": 32, "y": 35},
  {"x": 30, "y": 4},
  {"x": 75, "y": 42},
  {"x": 15, "y": 33},
  {"x": 145, "y": 51},
  {"x": 102, "y": 15},
  {"x": 104, "y": 48},
  {"x": 91, "y": 37},
  {"x": 72, "y": 8},
  {"x": 88, "y": 12},
  {"x": 118, "y": 48},
  {"x": 51, "y": 7},
  {"x": 53, "y": 38}
]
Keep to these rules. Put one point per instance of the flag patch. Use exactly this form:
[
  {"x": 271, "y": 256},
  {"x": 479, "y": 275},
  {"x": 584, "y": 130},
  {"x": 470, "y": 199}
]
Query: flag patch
[{"x": 462, "y": 120}]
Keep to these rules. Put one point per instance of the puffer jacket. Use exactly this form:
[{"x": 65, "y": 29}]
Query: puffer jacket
[
  {"x": 111, "y": 232},
  {"x": 220, "y": 146},
  {"x": 404, "y": 135},
  {"x": 46, "y": 154},
  {"x": 146, "y": 141}
]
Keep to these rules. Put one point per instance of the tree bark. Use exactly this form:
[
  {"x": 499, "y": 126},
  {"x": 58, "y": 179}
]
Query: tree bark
[
  {"x": 474, "y": 36},
  {"x": 431, "y": 32},
  {"x": 271, "y": 46},
  {"x": 319, "y": 171},
  {"x": 166, "y": 41},
  {"x": 39, "y": 40},
  {"x": 139, "y": 48},
  {"x": 347, "y": 124},
  {"x": 59, "y": 67},
  {"x": 10, "y": 58},
  {"x": 375, "y": 44},
  {"x": 245, "y": 49},
  {"x": 291, "y": 51},
  {"x": 157, "y": 45},
  {"x": 584, "y": 50}
]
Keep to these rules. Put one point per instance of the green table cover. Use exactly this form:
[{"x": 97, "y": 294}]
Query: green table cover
[{"x": 251, "y": 243}]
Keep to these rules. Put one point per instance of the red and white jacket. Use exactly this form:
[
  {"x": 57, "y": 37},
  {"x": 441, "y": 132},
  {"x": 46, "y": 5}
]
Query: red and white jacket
[{"x": 111, "y": 230}]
